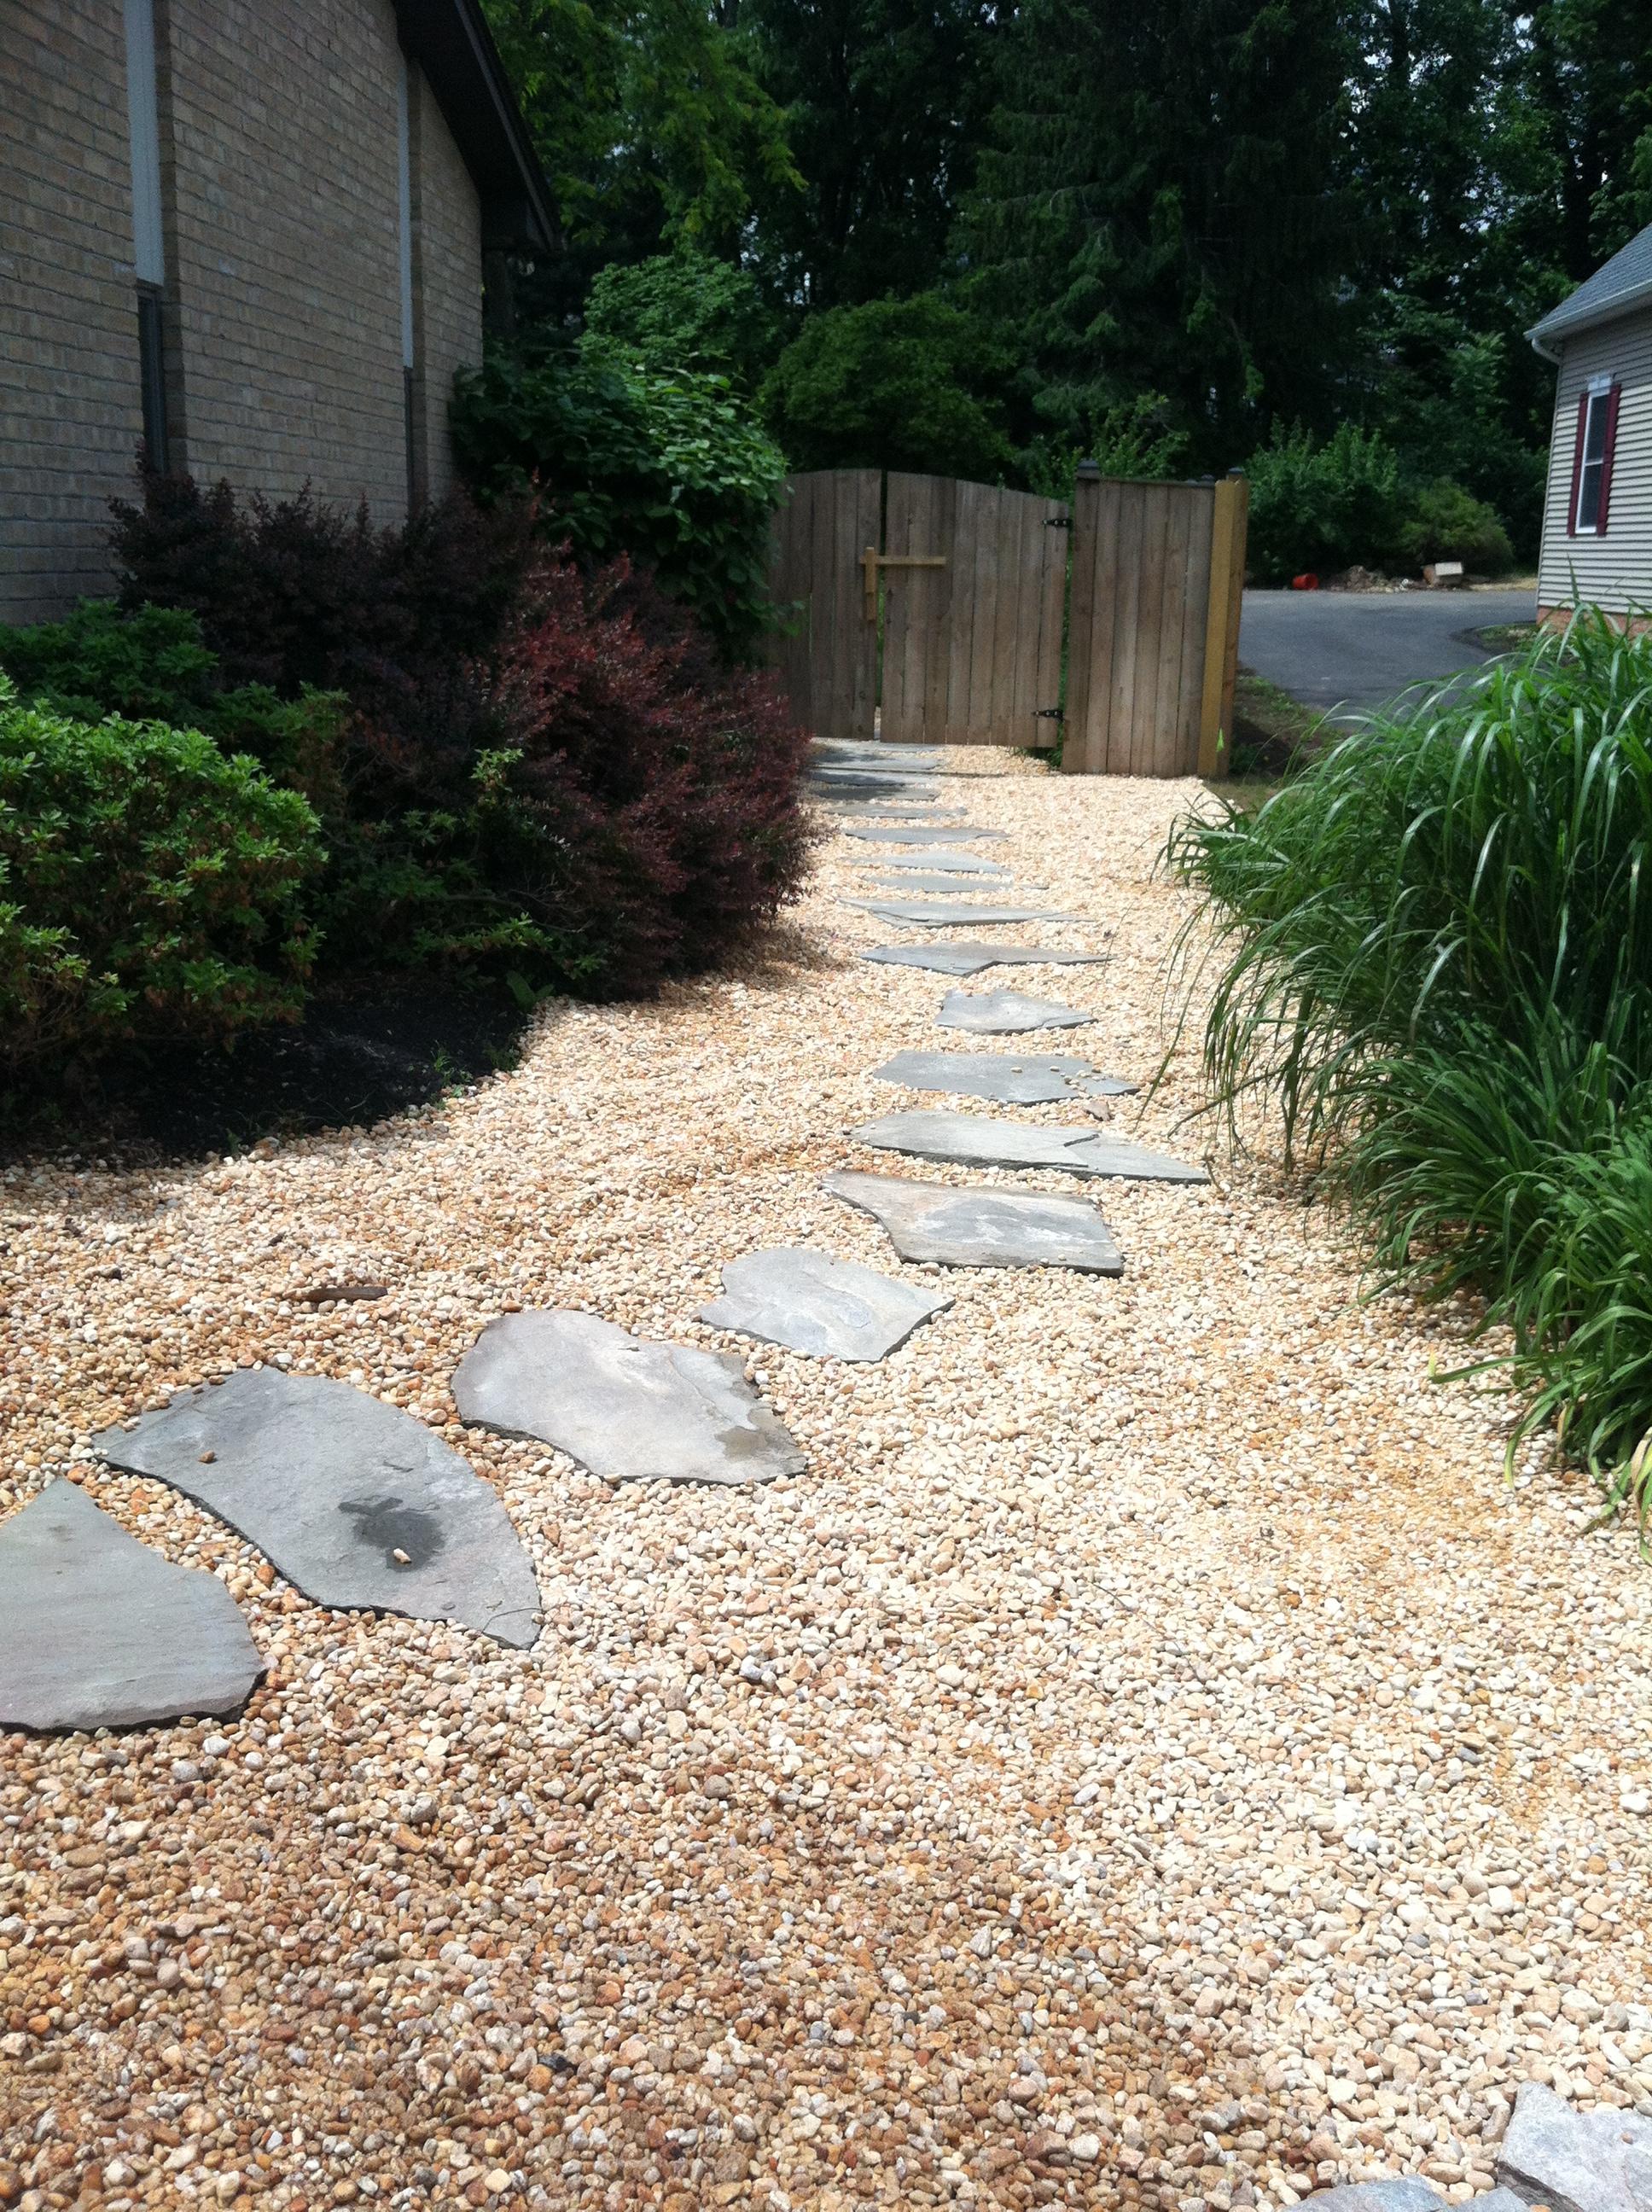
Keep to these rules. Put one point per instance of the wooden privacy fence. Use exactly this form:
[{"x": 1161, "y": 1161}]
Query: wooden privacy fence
[{"x": 928, "y": 609}]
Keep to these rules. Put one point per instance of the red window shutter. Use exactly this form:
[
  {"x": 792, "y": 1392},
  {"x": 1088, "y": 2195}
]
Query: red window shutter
[
  {"x": 1611, "y": 447},
  {"x": 1577, "y": 462}
]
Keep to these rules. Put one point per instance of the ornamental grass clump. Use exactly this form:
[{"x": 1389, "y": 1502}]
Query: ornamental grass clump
[{"x": 1434, "y": 959}]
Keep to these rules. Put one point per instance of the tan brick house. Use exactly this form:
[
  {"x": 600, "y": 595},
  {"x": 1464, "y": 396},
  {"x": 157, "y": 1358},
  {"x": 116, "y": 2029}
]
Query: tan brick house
[{"x": 251, "y": 232}]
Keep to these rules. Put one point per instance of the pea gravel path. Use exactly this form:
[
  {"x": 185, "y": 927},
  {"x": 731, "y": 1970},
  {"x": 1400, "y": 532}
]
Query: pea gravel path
[{"x": 1148, "y": 1757}]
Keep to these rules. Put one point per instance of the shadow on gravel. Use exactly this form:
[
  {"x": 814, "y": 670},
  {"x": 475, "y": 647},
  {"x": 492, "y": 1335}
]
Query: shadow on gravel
[{"x": 366, "y": 1048}]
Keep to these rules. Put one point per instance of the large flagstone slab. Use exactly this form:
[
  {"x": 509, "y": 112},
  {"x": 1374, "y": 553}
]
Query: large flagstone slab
[
  {"x": 962, "y": 956},
  {"x": 1004, "y": 1013},
  {"x": 810, "y": 1302},
  {"x": 919, "y": 833},
  {"x": 1009, "y": 1078},
  {"x": 356, "y": 1502},
  {"x": 874, "y": 759},
  {"x": 978, "y": 1140},
  {"x": 927, "y": 1221},
  {"x": 98, "y": 1630},
  {"x": 630, "y": 1409},
  {"x": 929, "y": 914}
]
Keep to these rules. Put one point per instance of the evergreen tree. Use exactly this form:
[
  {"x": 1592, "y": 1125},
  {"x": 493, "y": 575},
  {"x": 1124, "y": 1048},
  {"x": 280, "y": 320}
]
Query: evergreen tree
[
  {"x": 885, "y": 101},
  {"x": 1161, "y": 206}
]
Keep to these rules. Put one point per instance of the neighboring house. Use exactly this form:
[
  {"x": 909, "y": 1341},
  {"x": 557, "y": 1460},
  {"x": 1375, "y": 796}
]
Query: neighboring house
[
  {"x": 252, "y": 233},
  {"x": 1597, "y": 516}
]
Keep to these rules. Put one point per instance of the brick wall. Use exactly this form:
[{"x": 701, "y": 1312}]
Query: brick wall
[
  {"x": 69, "y": 401},
  {"x": 279, "y": 138},
  {"x": 446, "y": 281},
  {"x": 283, "y": 142}
]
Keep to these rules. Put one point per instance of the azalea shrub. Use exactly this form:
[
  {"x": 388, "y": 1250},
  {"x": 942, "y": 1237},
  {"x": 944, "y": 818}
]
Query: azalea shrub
[{"x": 151, "y": 886}]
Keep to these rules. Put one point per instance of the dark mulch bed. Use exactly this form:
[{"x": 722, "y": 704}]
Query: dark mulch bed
[{"x": 368, "y": 1047}]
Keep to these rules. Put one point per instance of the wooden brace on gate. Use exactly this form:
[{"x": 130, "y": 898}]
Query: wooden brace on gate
[{"x": 872, "y": 561}]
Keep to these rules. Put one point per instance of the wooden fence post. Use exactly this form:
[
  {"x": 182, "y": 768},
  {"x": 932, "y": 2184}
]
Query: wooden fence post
[{"x": 1229, "y": 515}]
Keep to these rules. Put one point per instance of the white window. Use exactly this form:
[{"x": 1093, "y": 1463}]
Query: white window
[{"x": 1596, "y": 423}]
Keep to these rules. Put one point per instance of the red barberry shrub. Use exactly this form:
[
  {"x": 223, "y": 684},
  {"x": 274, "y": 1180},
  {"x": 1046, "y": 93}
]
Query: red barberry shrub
[
  {"x": 688, "y": 773},
  {"x": 623, "y": 807}
]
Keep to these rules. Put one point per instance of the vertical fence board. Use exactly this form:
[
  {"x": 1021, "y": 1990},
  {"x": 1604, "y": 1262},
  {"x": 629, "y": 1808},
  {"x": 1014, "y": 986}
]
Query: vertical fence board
[
  {"x": 1077, "y": 743},
  {"x": 1165, "y": 748},
  {"x": 1195, "y": 601},
  {"x": 826, "y": 664},
  {"x": 1126, "y": 593}
]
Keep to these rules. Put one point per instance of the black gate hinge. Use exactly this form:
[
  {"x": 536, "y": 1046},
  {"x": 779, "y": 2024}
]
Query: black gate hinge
[
  {"x": 1048, "y": 714},
  {"x": 1058, "y": 522}
]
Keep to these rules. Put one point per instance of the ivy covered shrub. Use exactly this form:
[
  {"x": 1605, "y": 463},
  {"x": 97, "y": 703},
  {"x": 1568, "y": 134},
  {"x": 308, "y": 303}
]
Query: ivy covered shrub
[
  {"x": 664, "y": 466},
  {"x": 895, "y": 384},
  {"x": 150, "y": 886},
  {"x": 685, "y": 309}
]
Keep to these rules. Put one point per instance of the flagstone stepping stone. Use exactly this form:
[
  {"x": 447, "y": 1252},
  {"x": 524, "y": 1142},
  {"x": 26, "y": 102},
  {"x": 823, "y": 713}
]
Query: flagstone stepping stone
[
  {"x": 1002, "y": 1013},
  {"x": 1010, "y": 1079},
  {"x": 930, "y": 916},
  {"x": 935, "y": 886},
  {"x": 943, "y": 863},
  {"x": 629, "y": 1409},
  {"x": 356, "y": 1502},
  {"x": 919, "y": 833},
  {"x": 874, "y": 760},
  {"x": 810, "y": 1302},
  {"x": 928, "y": 1221},
  {"x": 98, "y": 1630},
  {"x": 894, "y": 818},
  {"x": 976, "y": 1140},
  {"x": 965, "y": 958}
]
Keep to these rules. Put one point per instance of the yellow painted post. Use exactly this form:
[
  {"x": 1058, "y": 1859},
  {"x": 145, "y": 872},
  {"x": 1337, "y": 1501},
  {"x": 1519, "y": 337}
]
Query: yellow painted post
[{"x": 1236, "y": 594}]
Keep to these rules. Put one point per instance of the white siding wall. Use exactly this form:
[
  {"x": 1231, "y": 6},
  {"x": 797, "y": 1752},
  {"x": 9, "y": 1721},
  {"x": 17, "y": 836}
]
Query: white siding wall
[{"x": 1614, "y": 571}]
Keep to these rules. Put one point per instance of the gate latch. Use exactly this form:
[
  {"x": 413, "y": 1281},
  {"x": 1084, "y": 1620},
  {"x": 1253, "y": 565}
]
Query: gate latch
[
  {"x": 872, "y": 561},
  {"x": 1058, "y": 522},
  {"x": 1048, "y": 714}
]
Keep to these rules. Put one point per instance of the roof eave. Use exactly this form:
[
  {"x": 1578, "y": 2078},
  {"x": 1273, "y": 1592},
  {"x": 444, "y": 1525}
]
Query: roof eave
[
  {"x": 451, "y": 41},
  {"x": 1547, "y": 336}
]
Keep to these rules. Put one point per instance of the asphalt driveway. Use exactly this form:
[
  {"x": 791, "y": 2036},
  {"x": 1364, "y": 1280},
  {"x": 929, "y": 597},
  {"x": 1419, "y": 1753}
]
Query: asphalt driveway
[{"x": 1352, "y": 650}]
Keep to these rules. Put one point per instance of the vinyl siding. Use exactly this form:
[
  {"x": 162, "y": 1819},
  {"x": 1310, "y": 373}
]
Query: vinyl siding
[{"x": 1615, "y": 571}]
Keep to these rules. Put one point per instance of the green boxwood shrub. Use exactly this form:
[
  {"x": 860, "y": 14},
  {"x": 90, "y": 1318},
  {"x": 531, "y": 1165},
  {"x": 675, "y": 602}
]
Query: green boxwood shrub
[{"x": 149, "y": 886}]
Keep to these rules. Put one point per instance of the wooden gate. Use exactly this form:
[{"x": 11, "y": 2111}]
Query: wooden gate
[
  {"x": 946, "y": 600},
  {"x": 1159, "y": 572},
  {"x": 973, "y": 583}
]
